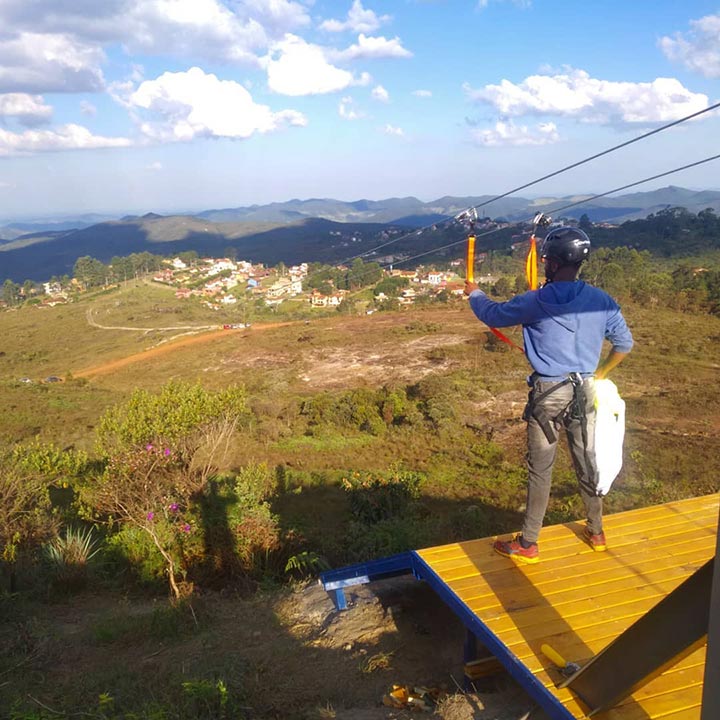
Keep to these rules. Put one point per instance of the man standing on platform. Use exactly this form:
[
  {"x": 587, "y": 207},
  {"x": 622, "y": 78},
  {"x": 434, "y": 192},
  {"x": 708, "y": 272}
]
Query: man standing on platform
[{"x": 564, "y": 324}]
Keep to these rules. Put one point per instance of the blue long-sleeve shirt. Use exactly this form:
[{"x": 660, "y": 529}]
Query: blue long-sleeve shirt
[{"x": 564, "y": 325}]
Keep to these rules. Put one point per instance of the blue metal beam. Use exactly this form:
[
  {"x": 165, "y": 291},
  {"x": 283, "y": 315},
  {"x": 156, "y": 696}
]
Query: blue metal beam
[
  {"x": 361, "y": 573},
  {"x": 548, "y": 702},
  {"x": 335, "y": 581}
]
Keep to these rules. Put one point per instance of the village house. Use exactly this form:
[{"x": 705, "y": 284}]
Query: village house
[
  {"x": 220, "y": 265},
  {"x": 408, "y": 274},
  {"x": 52, "y": 288},
  {"x": 178, "y": 264},
  {"x": 317, "y": 299},
  {"x": 407, "y": 297},
  {"x": 164, "y": 276},
  {"x": 455, "y": 289}
]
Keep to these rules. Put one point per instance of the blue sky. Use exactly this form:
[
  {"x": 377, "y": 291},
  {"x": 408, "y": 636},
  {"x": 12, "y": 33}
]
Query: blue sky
[{"x": 180, "y": 105}]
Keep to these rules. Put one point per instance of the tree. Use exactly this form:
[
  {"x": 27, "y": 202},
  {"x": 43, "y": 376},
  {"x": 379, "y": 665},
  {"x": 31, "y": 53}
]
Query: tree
[
  {"x": 503, "y": 287},
  {"x": 585, "y": 223},
  {"x": 390, "y": 286},
  {"x": 189, "y": 257},
  {"x": 11, "y": 292},
  {"x": 90, "y": 272},
  {"x": 361, "y": 274},
  {"x": 121, "y": 268}
]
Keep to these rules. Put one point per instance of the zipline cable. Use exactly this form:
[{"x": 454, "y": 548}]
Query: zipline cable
[
  {"x": 544, "y": 177},
  {"x": 564, "y": 207}
]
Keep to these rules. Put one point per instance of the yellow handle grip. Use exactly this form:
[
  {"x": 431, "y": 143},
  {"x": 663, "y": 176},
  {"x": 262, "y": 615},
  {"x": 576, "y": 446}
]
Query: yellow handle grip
[
  {"x": 470, "y": 259},
  {"x": 553, "y": 655}
]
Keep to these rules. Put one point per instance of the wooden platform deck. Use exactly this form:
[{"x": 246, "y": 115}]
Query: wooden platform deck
[{"x": 578, "y": 601}]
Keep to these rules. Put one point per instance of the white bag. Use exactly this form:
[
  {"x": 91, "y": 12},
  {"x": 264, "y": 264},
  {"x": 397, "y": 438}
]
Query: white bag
[{"x": 609, "y": 433}]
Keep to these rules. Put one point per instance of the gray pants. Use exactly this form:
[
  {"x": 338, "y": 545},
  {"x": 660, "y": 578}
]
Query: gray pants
[{"x": 541, "y": 455}]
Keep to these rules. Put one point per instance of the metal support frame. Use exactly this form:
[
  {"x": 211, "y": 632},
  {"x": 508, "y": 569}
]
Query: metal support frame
[
  {"x": 335, "y": 581},
  {"x": 669, "y": 631},
  {"x": 475, "y": 627}
]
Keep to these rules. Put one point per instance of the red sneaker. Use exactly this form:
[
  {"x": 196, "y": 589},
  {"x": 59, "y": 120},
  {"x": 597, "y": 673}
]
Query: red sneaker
[
  {"x": 514, "y": 549},
  {"x": 596, "y": 542}
]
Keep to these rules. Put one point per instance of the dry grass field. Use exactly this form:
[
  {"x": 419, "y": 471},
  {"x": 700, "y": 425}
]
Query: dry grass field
[{"x": 282, "y": 652}]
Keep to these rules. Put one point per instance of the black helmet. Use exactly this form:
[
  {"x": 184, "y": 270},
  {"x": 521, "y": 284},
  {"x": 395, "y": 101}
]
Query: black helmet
[{"x": 567, "y": 245}]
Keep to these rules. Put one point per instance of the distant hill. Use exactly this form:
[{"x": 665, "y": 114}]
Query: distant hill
[
  {"x": 414, "y": 212},
  {"x": 42, "y": 255},
  {"x": 314, "y": 230}
]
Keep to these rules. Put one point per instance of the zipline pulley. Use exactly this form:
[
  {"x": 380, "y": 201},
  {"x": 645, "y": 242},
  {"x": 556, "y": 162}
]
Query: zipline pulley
[{"x": 531, "y": 265}]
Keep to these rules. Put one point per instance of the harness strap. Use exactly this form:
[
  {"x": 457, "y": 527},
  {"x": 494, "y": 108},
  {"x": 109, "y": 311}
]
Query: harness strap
[
  {"x": 574, "y": 410},
  {"x": 545, "y": 421}
]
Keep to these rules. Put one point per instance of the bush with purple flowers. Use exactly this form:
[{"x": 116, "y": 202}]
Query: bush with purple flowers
[{"x": 160, "y": 451}]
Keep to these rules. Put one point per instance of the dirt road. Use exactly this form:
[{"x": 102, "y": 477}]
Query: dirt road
[{"x": 160, "y": 350}]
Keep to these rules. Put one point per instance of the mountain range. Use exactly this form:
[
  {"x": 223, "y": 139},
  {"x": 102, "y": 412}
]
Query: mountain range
[{"x": 293, "y": 231}]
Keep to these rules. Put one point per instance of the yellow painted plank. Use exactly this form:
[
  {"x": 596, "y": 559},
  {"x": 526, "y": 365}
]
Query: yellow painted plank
[
  {"x": 592, "y": 563},
  {"x": 528, "y": 611},
  {"x": 665, "y": 546},
  {"x": 579, "y": 601},
  {"x": 661, "y": 706},
  {"x": 592, "y": 581},
  {"x": 660, "y": 540},
  {"x": 572, "y": 644},
  {"x": 653, "y": 700},
  {"x": 619, "y": 523},
  {"x": 561, "y": 633}
]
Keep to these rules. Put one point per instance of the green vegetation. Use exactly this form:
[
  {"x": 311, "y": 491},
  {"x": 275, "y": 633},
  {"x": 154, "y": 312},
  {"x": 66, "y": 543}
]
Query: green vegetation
[{"x": 241, "y": 461}]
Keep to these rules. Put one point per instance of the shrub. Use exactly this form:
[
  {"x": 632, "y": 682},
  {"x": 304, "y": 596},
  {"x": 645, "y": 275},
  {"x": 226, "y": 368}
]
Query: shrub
[
  {"x": 306, "y": 563},
  {"x": 387, "y": 537},
  {"x": 132, "y": 551},
  {"x": 27, "y": 517},
  {"x": 68, "y": 557},
  {"x": 381, "y": 496},
  {"x": 160, "y": 450}
]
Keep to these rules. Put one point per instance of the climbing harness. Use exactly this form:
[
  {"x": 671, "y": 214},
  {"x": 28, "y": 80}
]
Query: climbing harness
[{"x": 575, "y": 410}]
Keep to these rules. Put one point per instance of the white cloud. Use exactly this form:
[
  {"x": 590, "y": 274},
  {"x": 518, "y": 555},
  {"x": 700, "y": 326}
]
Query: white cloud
[
  {"x": 87, "y": 108},
  {"x": 358, "y": 20},
  {"x": 392, "y": 130},
  {"x": 193, "y": 28},
  {"x": 196, "y": 29},
  {"x": 29, "y": 110},
  {"x": 296, "y": 67},
  {"x": 347, "y": 111},
  {"x": 65, "y": 137},
  {"x": 380, "y": 93},
  {"x": 32, "y": 62},
  {"x": 507, "y": 133},
  {"x": 699, "y": 49},
  {"x": 154, "y": 166},
  {"x": 195, "y": 104},
  {"x": 373, "y": 47},
  {"x": 422, "y": 93},
  {"x": 277, "y": 16},
  {"x": 482, "y": 4},
  {"x": 574, "y": 93}
]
